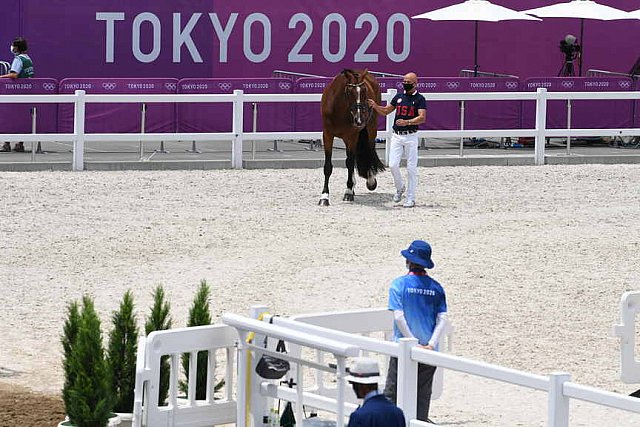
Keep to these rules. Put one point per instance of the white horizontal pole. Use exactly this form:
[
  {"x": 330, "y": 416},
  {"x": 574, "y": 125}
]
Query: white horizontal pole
[
  {"x": 36, "y": 137},
  {"x": 310, "y": 399},
  {"x": 601, "y": 397},
  {"x": 151, "y": 98},
  {"x": 125, "y": 137},
  {"x": 481, "y": 369},
  {"x": 366, "y": 343},
  {"x": 286, "y": 334},
  {"x": 600, "y": 96},
  {"x": 39, "y": 99}
]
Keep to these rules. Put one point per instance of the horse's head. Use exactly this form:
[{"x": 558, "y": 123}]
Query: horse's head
[{"x": 357, "y": 91}]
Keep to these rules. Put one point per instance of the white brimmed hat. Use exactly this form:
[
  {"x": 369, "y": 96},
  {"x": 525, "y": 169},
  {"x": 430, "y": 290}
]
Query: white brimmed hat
[{"x": 364, "y": 370}]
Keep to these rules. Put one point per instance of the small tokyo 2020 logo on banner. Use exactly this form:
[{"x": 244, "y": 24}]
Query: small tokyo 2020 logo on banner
[
  {"x": 109, "y": 86},
  {"x": 48, "y": 86},
  {"x": 225, "y": 86}
]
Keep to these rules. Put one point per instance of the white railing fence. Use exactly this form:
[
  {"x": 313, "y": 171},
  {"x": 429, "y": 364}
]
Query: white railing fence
[
  {"x": 331, "y": 336},
  {"x": 626, "y": 331},
  {"x": 239, "y": 98},
  {"x": 184, "y": 410}
]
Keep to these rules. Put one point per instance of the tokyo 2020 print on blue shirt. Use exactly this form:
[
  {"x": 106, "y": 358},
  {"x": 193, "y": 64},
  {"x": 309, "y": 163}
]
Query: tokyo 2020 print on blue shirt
[{"x": 421, "y": 298}]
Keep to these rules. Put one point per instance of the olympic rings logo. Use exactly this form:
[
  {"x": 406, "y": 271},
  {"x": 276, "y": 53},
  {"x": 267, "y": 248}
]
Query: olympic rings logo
[
  {"x": 453, "y": 85},
  {"x": 567, "y": 84},
  {"x": 225, "y": 86},
  {"x": 170, "y": 86},
  {"x": 48, "y": 86},
  {"x": 109, "y": 86},
  {"x": 284, "y": 85},
  {"x": 625, "y": 84},
  {"x": 511, "y": 85}
]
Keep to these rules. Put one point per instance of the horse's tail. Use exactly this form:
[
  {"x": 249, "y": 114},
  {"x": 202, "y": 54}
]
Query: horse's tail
[{"x": 367, "y": 159}]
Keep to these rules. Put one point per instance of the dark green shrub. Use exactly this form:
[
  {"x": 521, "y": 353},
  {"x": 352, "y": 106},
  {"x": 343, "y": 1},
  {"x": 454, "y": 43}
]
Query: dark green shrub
[
  {"x": 121, "y": 357},
  {"x": 199, "y": 315},
  {"x": 89, "y": 402},
  {"x": 69, "y": 336},
  {"x": 159, "y": 320}
]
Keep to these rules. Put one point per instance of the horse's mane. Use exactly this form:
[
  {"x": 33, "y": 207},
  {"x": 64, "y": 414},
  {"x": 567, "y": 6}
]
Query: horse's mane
[{"x": 351, "y": 75}]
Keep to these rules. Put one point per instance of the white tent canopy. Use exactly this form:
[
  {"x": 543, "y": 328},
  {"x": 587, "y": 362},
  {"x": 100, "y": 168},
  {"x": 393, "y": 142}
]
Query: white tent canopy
[
  {"x": 475, "y": 10},
  {"x": 583, "y": 9}
]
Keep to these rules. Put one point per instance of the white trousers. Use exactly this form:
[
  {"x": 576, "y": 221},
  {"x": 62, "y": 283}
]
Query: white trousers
[{"x": 409, "y": 145}]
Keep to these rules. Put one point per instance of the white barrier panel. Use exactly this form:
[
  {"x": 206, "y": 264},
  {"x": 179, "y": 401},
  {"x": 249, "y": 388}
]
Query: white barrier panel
[
  {"x": 626, "y": 331},
  {"x": 188, "y": 411},
  {"x": 365, "y": 322}
]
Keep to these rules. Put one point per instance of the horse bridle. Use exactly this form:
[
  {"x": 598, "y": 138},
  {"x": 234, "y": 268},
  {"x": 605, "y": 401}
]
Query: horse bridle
[{"x": 358, "y": 108}]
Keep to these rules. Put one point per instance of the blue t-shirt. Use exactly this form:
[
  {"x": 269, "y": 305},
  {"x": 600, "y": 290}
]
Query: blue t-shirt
[
  {"x": 407, "y": 107},
  {"x": 421, "y": 298}
]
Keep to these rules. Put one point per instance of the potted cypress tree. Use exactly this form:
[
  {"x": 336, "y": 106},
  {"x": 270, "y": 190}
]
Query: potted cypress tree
[
  {"x": 199, "y": 315},
  {"x": 159, "y": 320},
  {"x": 121, "y": 359},
  {"x": 86, "y": 391}
]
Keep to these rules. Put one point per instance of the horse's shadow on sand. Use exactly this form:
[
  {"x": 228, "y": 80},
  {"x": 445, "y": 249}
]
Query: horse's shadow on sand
[{"x": 384, "y": 202}]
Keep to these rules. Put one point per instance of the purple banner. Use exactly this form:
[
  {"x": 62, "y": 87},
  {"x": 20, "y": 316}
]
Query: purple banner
[
  {"x": 307, "y": 116},
  {"x": 17, "y": 118},
  {"x": 123, "y": 117},
  {"x": 216, "y": 39},
  {"x": 585, "y": 114},
  {"x": 443, "y": 115},
  {"x": 200, "y": 117}
]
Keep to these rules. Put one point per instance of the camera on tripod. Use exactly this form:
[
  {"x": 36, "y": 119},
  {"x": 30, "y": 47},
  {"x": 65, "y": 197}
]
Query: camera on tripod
[{"x": 570, "y": 47}]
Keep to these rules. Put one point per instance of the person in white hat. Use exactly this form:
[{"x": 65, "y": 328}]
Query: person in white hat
[{"x": 376, "y": 410}]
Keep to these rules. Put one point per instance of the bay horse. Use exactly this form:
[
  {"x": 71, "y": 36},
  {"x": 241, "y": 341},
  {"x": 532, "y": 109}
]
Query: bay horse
[{"x": 347, "y": 115}]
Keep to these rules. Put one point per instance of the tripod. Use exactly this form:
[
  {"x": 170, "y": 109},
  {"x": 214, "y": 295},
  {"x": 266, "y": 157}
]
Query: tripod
[{"x": 567, "y": 69}]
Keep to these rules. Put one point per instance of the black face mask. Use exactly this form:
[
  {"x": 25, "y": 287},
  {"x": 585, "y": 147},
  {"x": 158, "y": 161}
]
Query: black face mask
[{"x": 407, "y": 86}]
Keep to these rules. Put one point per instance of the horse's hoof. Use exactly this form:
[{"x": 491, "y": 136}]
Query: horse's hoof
[
  {"x": 372, "y": 184},
  {"x": 323, "y": 202},
  {"x": 348, "y": 197}
]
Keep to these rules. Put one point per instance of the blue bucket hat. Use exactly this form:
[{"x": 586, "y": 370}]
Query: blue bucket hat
[{"x": 419, "y": 252}]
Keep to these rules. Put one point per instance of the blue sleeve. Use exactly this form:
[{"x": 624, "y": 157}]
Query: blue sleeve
[
  {"x": 422, "y": 104},
  {"x": 394, "y": 101},
  {"x": 395, "y": 295}
]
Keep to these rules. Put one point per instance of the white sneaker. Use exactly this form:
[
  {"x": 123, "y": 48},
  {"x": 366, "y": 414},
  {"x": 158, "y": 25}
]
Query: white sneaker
[
  {"x": 409, "y": 204},
  {"x": 398, "y": 196}
]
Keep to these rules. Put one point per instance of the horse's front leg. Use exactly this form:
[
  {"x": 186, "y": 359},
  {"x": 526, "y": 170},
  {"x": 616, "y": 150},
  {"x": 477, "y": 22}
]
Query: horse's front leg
[
  {"x": 351, "y": 161},
  {"x": 327, "y": 140}
]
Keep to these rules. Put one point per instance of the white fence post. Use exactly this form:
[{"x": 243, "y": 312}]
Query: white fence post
[
  {"x": 558, "y": 402},
  {"x": 541, "y": 126},
  {"x": 626, "y": 331},
  {"x": 388, "y": 126},
  {"x": 238, "y": 123},
  {"x": 258, "y": 404},
  {"x": 78, "y": 131},
  {"x": 407, "y": 384}
]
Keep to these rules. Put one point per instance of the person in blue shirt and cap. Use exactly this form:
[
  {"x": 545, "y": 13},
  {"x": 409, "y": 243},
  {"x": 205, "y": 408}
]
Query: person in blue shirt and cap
[
  {"x": 376, "y": 410},
  {"x": 419, "y": 308}
]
